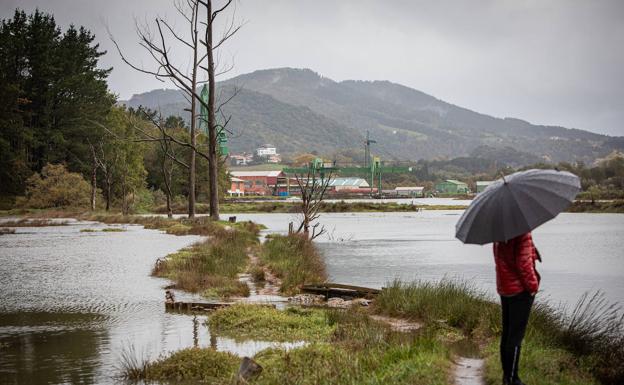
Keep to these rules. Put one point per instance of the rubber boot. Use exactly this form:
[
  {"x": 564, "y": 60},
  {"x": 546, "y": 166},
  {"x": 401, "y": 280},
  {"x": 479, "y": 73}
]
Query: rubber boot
[{"x": 516, "y": 366}]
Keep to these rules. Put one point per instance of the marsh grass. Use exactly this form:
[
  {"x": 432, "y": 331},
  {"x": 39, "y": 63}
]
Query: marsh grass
[
  {"x": 113, "y": 230},
  {"x": 344, "y": 347},
  {"x": 295, "y": 260},
  {"x": 192, "y": 365},
  {"x": 132, "y": 367},
  {"x": 589, "y": 338},
  {"x": 244, "y": 321},
  {"x": 29, "y": 222},
  {"x": 359, "y": 351},
  {"x": 456, "y": 303},
  {"x": 211, "y": 266}
]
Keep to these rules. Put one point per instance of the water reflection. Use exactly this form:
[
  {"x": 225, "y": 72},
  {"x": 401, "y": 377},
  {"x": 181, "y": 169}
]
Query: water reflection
[{"x": 54, "y": 348}]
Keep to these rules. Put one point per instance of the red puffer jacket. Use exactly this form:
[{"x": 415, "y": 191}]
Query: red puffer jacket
[{"x": 515, "y": 265}]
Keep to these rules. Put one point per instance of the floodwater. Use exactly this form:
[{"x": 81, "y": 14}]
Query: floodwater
[
  {"x": 581, "y": 252},
  {"x": 72, "y": 302}
]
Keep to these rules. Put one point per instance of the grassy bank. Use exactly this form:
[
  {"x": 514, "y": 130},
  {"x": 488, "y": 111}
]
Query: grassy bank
[
  {"x": 295, "y": 260},
  {"x": 349, "y": 348},
  {"x": 211, "y": 267},
  {"x": 346, "y": 206},
  {"x": 584, "y": 348},
  {"x": 616, "y": 206}
]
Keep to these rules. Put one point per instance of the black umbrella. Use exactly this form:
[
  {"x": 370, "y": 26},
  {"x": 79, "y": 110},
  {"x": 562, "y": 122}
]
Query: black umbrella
[{"x": 516, "y": 204}]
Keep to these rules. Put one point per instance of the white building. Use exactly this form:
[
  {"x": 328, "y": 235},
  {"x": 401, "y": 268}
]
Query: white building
[
  {"x": 266, "y": 150},
  {"x": 338, "y": 184}
]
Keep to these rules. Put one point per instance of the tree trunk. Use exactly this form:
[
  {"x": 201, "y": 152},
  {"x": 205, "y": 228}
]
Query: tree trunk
[
  {"x": 167, "y": 179},
  {"x": 108, "y": 193},
  {"x": 191, "y": 194},
  {"x": 93, "y": 183},
  {"x": 212, "y": 127}
]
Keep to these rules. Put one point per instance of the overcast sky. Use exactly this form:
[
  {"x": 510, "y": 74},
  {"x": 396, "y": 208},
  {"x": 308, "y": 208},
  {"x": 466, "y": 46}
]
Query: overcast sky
[{"x": 557, "y": 62}]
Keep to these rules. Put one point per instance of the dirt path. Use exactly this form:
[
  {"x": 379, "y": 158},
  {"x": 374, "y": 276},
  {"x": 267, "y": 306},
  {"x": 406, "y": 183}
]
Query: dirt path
[{"x": 468, "y": 371}]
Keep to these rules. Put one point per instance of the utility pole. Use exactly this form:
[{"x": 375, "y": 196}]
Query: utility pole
[{"x": 367, "y": 153}]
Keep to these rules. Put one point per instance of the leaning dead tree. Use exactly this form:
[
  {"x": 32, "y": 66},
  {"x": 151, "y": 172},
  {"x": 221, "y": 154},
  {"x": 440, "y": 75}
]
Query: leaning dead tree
[
  {"x": 313, "y": 186},
  {"x": 164, "y": 44}
]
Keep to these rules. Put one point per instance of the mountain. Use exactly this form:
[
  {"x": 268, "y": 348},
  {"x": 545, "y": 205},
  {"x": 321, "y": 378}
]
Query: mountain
[{"x": 300, "y": 111}]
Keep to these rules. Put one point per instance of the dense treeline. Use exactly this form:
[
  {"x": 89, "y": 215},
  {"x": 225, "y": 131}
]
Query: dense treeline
[
  {"x": 50, "y": 91},
  {"x": 60, "y": 128}
]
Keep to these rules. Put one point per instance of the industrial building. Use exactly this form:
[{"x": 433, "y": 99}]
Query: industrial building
[
  {"x": 262, "y": 182},
  {"x": 452, "y": 186},
  {"x": 348, "y": 184},
  {"x": 413, "y": 191},
  {"x": 482, "y": 184},
  {"x": 237, "y": 187}
]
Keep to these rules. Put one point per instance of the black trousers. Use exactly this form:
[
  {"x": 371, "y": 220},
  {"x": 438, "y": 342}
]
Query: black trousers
[{"x": 516, "y": 311}]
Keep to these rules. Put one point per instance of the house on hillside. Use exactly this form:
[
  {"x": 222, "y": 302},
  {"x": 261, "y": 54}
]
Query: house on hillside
[
  {"x": 452, "y": 186},
  {"x": 266, "y": 150},
  {"x": 263, "y": 182},
  {"x": 240, "y": 159},
  {"x": 482, "y": 184}
]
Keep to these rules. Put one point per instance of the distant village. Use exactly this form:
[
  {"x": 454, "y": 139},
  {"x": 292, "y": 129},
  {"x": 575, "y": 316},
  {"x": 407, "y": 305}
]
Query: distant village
[{"x": 250, "y": 178}]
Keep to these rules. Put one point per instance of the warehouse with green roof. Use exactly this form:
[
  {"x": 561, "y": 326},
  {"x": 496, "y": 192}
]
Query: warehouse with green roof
[{"x": 452, "y": 186}]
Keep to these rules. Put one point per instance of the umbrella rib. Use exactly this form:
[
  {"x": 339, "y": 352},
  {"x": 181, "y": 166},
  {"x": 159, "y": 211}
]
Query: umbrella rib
[{"x": 515, "y": 201}]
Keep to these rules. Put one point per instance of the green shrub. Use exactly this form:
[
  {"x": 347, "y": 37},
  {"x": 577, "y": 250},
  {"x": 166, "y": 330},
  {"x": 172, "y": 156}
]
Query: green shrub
[{"x": 55, "y": 187}]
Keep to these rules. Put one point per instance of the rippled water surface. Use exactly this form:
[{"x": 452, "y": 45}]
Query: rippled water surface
[
  {"x": 72, "y": 302},
  {"x": 581, "y": 252}
]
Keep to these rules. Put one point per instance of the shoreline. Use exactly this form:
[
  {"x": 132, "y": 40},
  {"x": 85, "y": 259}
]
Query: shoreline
[{"x": 450, "y": 314}]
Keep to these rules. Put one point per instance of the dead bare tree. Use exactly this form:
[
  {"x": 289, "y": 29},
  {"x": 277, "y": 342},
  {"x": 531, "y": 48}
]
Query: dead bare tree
[
  {"x": 160, "y": 46},
  {"x": 313, "y": 187}
]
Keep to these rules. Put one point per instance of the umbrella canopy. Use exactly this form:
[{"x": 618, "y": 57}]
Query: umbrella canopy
[{"x": 516, "y": 204}]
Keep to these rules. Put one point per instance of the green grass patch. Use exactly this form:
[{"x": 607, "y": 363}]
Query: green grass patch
[
  {"x": 589, "y": 338},
  {"x": 113, "y": 230},
  {"x": 211, "y": 267},
  {"x": 206, "y": 366},
  {"x": 540, "y": 364},
  {"x": 458, "y": 304},
  {"x": 352, "y": 349},
  {"x": 88, "y": 230},
  {"x": 266, "y": 323},
  {"x": 295, "y": 260}
]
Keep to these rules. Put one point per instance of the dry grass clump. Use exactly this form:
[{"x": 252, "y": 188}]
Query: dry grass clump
[{"x": 28, "y": 222}]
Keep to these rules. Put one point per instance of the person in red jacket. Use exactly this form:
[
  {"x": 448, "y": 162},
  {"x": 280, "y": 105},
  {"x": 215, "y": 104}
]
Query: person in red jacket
[{"x": 517, "y": 282}]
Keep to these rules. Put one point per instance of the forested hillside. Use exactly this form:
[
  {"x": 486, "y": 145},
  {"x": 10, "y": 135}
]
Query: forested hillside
[{"x": 408, "y": 124}]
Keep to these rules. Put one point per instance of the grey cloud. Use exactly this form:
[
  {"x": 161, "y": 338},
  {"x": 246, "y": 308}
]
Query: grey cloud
[{"x": 550, "y": 62}]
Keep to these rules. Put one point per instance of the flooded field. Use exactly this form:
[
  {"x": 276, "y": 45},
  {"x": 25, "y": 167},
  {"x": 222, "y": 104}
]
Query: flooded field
[
  {"x": 581, "y": 252},
  {"x": 73, "y": 301}
]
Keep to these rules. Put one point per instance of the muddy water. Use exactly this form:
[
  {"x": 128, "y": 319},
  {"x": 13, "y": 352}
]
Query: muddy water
[
  {"x": 581, "y": 252},
  {"x": 72, "y": 302}
]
